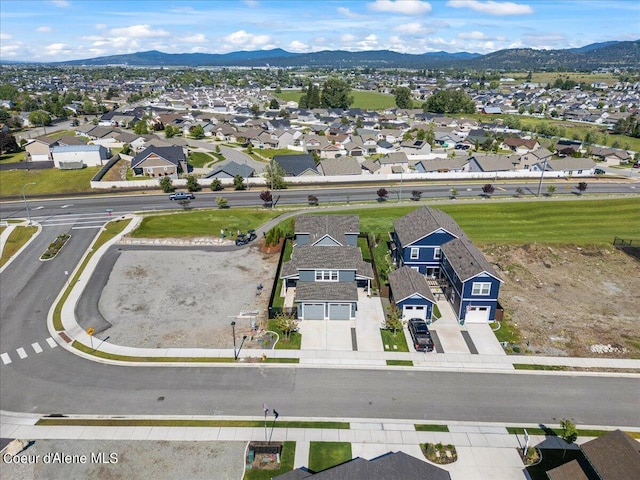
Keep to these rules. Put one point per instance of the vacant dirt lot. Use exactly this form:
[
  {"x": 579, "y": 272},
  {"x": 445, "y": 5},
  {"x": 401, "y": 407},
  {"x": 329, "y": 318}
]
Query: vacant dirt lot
[
  {"x": 569, "y": 300},
  {"x": 168, "y": 298}
]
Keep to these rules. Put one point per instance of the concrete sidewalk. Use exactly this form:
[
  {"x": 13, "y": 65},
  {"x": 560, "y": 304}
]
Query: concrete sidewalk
[{"x": 485, "y": 451}]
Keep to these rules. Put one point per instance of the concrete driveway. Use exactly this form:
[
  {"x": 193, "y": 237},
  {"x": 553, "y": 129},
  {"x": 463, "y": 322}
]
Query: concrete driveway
[{"x": 484, "y": 339}]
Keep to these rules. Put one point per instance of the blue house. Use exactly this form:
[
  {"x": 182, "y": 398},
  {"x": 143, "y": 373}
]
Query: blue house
[
  {"x": 410, "y": 292},
  {"x": 326, "y": 270},
  {"x": 432, "y": 244},
  {"x": 418, "y": 237}
]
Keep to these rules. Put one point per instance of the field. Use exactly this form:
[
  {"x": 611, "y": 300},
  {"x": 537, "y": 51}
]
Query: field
[
  {"x": 361, "y": 99},
  {"x": 12, "y": 157},
  {"x": 47, "y": 181}
]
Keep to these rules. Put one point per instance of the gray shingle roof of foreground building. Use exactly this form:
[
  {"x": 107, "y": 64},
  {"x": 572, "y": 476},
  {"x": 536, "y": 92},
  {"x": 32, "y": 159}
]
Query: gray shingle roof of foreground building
[{"x": 422, "y": 222}]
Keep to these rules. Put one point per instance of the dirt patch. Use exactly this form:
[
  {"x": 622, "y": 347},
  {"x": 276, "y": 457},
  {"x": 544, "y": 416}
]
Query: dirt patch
[
  {"x": 569, "y": 300},
  {"x": 117, "y": 173},
  {"x": 167, "y": 298}
]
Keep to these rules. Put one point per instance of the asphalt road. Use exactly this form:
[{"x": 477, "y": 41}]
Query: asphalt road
[{"x": 56, "y": 381}]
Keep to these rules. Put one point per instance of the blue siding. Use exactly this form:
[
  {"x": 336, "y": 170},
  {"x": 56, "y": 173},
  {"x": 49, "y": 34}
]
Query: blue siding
[
  {"x": 346, "y": 276},
  {"x": 490, "y": 300},
  {"x": 426, "y": 250},
  {"x": 307, "y": 275},
  {"x": 352, "y": 239},
  {"x": 418, "y": 300},
  {"x": 302, "y": 238}
]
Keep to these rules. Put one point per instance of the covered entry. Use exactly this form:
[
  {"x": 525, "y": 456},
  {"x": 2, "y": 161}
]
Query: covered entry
[{"x": 477, "y": 314}]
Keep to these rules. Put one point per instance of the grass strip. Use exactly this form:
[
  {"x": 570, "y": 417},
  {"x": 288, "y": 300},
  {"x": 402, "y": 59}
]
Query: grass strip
[
  {"x": 323, "y": 455},
  {"x": 389, "y": 340},
  {"x": 129, "y": 358},
  {"x": 111, "y": 229},
  {"x": 557, "y": 432},
  {"x": 527, "y": 366},
  {"x": 430, "y": 428},
  {"x": 400, "y": 363},
  {"x": 287, "y": 458},
  {"x": 126, "y": 422},
  {"x": 17, "y": 239}
]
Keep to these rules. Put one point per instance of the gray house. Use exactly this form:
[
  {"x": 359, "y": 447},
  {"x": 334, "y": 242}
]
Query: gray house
[
  {"x": 230, "y": 169},
  {"x": 326, "y": 268}
]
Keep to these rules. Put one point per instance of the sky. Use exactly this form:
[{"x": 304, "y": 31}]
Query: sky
[{"x": 58, "y": 30}]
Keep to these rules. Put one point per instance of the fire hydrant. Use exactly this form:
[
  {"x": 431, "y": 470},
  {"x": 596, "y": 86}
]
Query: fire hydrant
[{"x": 264, "y": 357}]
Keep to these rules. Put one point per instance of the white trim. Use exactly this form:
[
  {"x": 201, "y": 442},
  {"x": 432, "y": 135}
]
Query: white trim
[
  {"x": 327, "y": 275},
  {"x": 416, "y": 251},
  {"x": 481, "y": 286}
]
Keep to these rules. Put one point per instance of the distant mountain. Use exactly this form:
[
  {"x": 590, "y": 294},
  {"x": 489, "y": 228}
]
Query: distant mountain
[{"x": 606, "y": 54}]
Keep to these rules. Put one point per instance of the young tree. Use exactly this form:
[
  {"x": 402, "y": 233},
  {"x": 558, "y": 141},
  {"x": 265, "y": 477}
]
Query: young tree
[
  {"x": 569, "y": 432},
  {"x": 267, "y": 198},
  {"x": 393, "y": 319},
  {"x": 166, "y": 184},
  {"x": 551, "y": 189},
  {"x": 274, "y": 175},
  {"x": 286, "y": 323},
  {"x": 222, "y": 202},
  {"x": 488, "y": 189},
  {"x": 403, "y": 98},
  {"x": 582, "y": 186},
  {"x": 519, "y": 192},
  {"x": 382, "y": 194},
  {"x": 416, "y": 195},
  {"x": 238, "y": 183},
  {"x": 453, "y": 193},
  {"x": 184, "y": 203},
  {"x": 313, "y": 200},
  {"x": 216, "y": 185},
  {"x": 192, "y": 184}
]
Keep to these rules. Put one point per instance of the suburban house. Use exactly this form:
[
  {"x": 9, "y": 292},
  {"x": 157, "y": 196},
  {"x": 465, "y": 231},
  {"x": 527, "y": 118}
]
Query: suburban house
[
  {"x": 430, "y": 242},
  {"x": 74, "y": 157},
  {"x": 572, "y": 167},
  {"x": 340, "y": 166},
  {"x": 411, "y": 293},
  {"x": 230, "y": 169},
  {"x": 326, "y": 269},
  {"x": 494, "y": 163},
  {"x": 160, "y": 161},
  {"x": 389, "y": 465},
  {"x": 39, "y": 149},
  {"x": 297, "y": 165},
  {"x": 614, "y": 456}
]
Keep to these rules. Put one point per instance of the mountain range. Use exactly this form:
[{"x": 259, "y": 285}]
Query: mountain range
[{"x": 607, "y": 54}]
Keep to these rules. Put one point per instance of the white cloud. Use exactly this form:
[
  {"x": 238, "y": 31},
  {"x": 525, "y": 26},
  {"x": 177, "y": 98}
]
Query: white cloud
[
  {"x": 370, "y": 42},
  {"x": 139, "y": 31},
  {"x": 5, "y": 36},
  {"x": 347, "y": 13},
  {"x": 347, "y": 37},
  {"x": 9, "y": 50},
  {"x": 43, "y": 29},
  {"x": 475, "y": 35},
  {"x": 249, "y": 40},
  {"x": 410, "y": 28},
  {"x": 100, "y": 26},
  {"x": 404, "y": 7},
  {"x": 297, "y": 46},
  {"x": 55, "y": 49},
  {"x": 493, "y": 8},
  {"x": 196, "y": 38},
  {"x": 250, "y": 3},
  {"x": 61, "y": 3}
]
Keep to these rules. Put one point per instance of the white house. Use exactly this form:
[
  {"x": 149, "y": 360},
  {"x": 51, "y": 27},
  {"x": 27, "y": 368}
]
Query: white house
[{"x": 79, "y": 156}]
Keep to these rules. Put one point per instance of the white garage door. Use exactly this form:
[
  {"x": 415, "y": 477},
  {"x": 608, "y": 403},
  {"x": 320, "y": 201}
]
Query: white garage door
[
  {"x": 339, "y": 311},
  {"x": 313, "y": 311},
  {"x": 414, "y": 311},
  {"x": 477, "y": 315}
]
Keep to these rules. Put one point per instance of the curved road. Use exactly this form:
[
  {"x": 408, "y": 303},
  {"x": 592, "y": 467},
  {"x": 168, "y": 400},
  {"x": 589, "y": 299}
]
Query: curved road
[{"x": 56, "y": 381}]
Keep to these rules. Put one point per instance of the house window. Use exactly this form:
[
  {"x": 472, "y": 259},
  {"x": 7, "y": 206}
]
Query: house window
[
  {"x": 415, "y": 253},
  {"x": 326, "y": 275},
  {"x": 436, "y": 253},
  {"x": 480, "y": 288}
]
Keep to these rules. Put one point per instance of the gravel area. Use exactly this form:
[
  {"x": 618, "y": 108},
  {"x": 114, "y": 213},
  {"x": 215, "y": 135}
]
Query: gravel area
[
  {"x": 133, "y": 459},
  {"x": 168, "y": 298}
]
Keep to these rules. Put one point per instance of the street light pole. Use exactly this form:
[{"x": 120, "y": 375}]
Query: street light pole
[
  {"x": 544, "y": 167},
  {"x": 24, "y": 199},
  {"x": 233, "y": 328}
]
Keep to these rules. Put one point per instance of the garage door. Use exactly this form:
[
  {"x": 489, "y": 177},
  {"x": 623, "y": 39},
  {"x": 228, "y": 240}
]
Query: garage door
[
  {"x": 477, "y": 315},
  {"x": 414, "y": 311},
  {"x": 313, "y": 311},
  {"x": 339, "y": 311}
]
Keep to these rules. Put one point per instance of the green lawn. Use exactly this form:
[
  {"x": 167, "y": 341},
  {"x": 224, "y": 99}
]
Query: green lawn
[
  {"x": 552, "y": 221},
  {"x": 48, "y": 181},
  {"x": 62, "y": 133},
  {"x": 364, "y": 100},
  {"x": 398, "y": 340},
  {"x": 200, "y": 159},
  {"x": 430, "y": 428},
  {"x": 16, "y": 240},
  {"x": 287, "y": 458},
  {"x": 323, "y": 455},
  {"x": 12, "y": 157},
  {"x": 399, "y": 363},
  {"x": 202, "y": 222},
  {"x": 295, "y": 338},
  {"x": 278, "y": 301}
]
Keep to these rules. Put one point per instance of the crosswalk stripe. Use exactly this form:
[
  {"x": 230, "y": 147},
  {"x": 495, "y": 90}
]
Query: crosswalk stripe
[
  {"x": 90, "y": 226},
  {"x": 36, "y": 347},
  {"x": 52, "y": 343},
  {"x": 21, "y": 353},
  {"x": 5, "y": 358}
]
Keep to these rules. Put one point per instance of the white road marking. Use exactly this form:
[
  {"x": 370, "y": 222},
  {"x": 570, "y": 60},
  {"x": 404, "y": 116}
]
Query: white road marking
[
  {"x": 38, "y": 208},
  {"x": 90, "y": 226},
  {"x": 5, "y": 358},
  {"x": 52, "y": 343},
  {"x": 67, "y": 205},
  {"x": 21, "y": 353},
  {"x": 36, "y": 347}
]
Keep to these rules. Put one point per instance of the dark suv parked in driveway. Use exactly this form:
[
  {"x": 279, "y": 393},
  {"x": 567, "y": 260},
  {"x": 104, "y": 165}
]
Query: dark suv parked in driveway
[{"x": 420, "y": 335}]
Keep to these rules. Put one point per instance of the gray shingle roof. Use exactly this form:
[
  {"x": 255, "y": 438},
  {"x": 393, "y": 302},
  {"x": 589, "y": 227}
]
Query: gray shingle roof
[
  {"x": 340, "y": 166},
  {"x": 422, "y": 222},
  {"x": 327, "y": 291},
  {"x": 496, "y": 163},
  {"x": 317, "y": 226},
  {"x": 232, "y": 169},
  {"x": 172, "y": 154},
  {"x": 294, "y": 165},
  {"x": 614, "y": 456},
  {"x": 308, "y": 257},
  {"x": 571, "y": 163},
  {"x": 466, "y": 259},
  {"x": 405, "y": 282}
]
